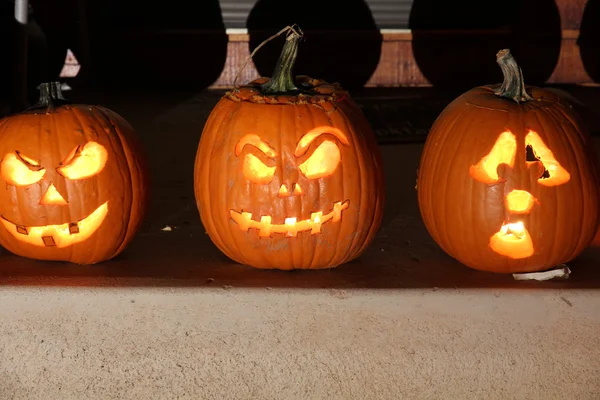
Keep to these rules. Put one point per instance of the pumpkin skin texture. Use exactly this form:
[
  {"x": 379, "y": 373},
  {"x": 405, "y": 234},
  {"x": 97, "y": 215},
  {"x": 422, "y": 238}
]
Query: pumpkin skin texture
[
  {"x": 74, "y": 182},
  {"x": 468, "y": 189},
  {"x": 304, "y": 163}
]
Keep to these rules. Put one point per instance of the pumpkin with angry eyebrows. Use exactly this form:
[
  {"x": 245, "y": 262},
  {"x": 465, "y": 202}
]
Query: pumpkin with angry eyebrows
[
  {"x": 289, "y": 177},
  {"x": 75, "y": 184}
]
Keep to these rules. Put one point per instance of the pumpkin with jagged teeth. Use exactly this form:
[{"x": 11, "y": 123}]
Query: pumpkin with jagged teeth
[{"x": 288, "y": 174}]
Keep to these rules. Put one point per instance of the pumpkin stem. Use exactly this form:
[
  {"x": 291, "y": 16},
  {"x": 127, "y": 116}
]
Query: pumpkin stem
[
  {"x": 282, "y": 80},
  {"x": 50, "y": 95},
  {"x": 513, "y": 86}
]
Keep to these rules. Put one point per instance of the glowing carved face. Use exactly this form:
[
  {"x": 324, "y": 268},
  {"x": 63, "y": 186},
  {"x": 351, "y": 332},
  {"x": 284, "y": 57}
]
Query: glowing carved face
[
  {"x": 82, "y": 162},
  {"x": 513, "y": 239},
  {"x": 259, "y": 167}
]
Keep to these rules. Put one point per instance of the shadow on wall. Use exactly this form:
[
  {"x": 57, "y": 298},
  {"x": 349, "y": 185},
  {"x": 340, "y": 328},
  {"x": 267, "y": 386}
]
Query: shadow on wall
[
  {"x": 61, "y": 22},
  {"x": 455, "y": 42},
  {"x": 138, "y": 43},
  {"x": 589, "y": 39},
  {"x": 37, "y": 51},
  {"x": 335, "y": 48}
]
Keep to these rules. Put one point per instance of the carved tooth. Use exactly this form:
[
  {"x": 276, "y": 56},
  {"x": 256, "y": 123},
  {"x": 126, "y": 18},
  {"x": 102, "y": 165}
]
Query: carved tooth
[
  {"x": 22, "y": 230},
  {"x": 48, "y": 241},
  {"x": 337, "y": 211},
  {"x": 246, "y": 221},
  {"x": 316, "y": 222},
  {"x": 73, "y": 228},
  {"x": 290, "y": 224},
  {"x": 265, "y": 226}
]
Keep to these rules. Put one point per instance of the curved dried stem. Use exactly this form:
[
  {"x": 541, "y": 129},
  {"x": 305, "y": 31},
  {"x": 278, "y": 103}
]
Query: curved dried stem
[
  {"x": 513, "y": 86},
  {"x": 290, "y": 49}
]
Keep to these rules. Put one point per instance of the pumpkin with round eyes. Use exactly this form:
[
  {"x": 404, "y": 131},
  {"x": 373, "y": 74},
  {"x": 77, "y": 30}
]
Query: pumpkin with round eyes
[
  {"x": 288, "y": 174},
  {"x": 508, "y": 179},
  {"x": 75, "y": 181}
]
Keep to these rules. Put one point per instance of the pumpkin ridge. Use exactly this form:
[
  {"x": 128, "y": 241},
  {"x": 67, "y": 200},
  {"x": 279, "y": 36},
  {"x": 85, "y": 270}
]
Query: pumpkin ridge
[
  {"x": 561, "y": 137},
  {"x": 54, "y": 115},
  {"x": 465, "y": 126},
  {"x": 133, "y": 224},
  {"x": 86, "y": 112},
  {"x": 471, "y": 104},
  {"x": 577, "y": 158},
  {"x": 365, "y": 155},
  {"x": 234, "y": 247},
  {"x": 456, "y": 119}
]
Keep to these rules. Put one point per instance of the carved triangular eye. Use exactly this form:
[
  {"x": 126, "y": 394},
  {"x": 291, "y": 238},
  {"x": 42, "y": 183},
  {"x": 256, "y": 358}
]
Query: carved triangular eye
[
  {"x": 503, "y": 152},
  {"x": 554, "y": 174}
]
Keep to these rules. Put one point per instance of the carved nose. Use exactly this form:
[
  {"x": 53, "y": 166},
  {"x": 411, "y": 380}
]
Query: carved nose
[
  {"x": 52, "y": 197},
  {"x": 285, "y": 192},
  {"x": 520, "y": 201}
]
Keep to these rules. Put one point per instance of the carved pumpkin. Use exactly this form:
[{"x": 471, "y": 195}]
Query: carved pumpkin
[
  {"x": 508, "y": 179},
  {"x": 289, "y": 177},
  {"x": 74, "y": 181}
]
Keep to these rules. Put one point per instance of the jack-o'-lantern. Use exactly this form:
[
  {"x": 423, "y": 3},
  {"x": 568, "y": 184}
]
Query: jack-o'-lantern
[
  {"x": 288, "y": 174},
  {"x": 508, "y": 180},
  {"x": 75, "y": 184}
]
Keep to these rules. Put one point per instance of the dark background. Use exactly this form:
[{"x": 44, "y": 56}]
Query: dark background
[{"x": 140, "y": 44}]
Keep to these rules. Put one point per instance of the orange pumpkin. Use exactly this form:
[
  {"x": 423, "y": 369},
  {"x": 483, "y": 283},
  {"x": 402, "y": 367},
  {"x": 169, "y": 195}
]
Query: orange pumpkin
[
  {"x": 288, "y": 174},
  {"x": 74, "y": 179},
  {"x": 508, "y": 180}
]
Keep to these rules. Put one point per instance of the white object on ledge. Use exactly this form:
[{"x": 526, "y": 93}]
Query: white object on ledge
[{"x": 562, "y": 272}]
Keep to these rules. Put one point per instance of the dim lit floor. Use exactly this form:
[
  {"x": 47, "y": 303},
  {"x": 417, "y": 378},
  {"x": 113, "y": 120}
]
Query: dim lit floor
[{"x": 173, "y": 318}]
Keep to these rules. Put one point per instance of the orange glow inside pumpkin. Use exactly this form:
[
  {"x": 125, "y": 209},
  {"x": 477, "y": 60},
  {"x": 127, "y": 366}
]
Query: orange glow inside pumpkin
[
  {"x": 20, "y": 170},
  {"x": 61, "y": 235},
  {"x": 554, "y": 174},
  {"x": 255, "y": 141},
  {"x": 503, "y": 152},
  {"x": 322, "y": 162},
  {"x": 314, "y": 133},
  {"x": 520, "y": 201},
  {"x": 52, "y": 197},
  {"x": 253, "y": 168},
  {"x": 291, "y": 225},
  {"x": 283, "y": 191},
  {"x": 513, "y": 241},
  {"x": 256, "y": 171},
  {"x": 84, "y": 161}
]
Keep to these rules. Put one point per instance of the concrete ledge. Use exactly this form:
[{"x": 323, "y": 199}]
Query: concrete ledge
[{"x": 228, "y": 343}]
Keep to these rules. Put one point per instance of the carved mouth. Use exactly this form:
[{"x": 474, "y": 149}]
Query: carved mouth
[
  {"x": 512, "y": 241},
  {"x": 291, "y": 226},
  {"x": 61, "y": 235}
]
